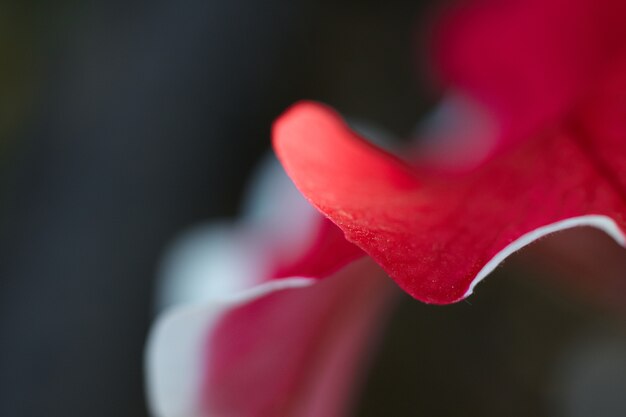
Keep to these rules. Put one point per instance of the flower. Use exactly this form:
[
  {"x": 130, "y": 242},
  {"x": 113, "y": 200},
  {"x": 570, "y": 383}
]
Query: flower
[
  {"x": 537, "y": 90},
  {"x": 557, "y": 97}
]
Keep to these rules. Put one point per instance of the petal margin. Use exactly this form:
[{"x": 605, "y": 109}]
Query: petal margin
[
  {"x": 175, "y": 356},
  {"x": 296, "y": 352},
  {"x": 587, "y": 264},
  {"x": 289, "y": 349},
  {"x": 437, "y": 236},
  {"x": 227, "y": 284}
]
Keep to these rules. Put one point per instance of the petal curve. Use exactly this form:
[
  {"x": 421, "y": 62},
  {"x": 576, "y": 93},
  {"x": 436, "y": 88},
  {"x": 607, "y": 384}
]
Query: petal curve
[
  {"x": 228, "y": 287},
  {"x": 434, "y": 234}
]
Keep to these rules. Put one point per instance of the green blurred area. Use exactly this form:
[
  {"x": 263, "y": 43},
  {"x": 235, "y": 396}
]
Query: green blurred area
[{"x": 20, "y": 75}]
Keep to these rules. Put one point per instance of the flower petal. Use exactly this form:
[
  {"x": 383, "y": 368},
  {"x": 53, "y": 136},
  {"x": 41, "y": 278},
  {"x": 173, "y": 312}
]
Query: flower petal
[
  {"x": 437, "y": 236},
  {"x": 229, "y": 287},
  {"x": 210, "y": 271},
  {"x": 601, "y": 123},
  {"x": 279, "y": 236},
  {"x": 528, "y": 61},
  {"x": 284, "y": 347},
  {"x": 295, "y": 352}
]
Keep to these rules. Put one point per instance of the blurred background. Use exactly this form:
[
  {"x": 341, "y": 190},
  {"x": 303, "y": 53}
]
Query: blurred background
[{"x": 124, "y": 123}]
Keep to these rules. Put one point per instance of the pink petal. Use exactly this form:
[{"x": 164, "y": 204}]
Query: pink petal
[
  {"x": 295, "y": 352},
  {"x": 601, "y": 123},
  {"x": 246, "y": 330},
  {"x": 211, "y": 272},
  {"x": 438, "y": 236},
  {"x": 280, "y": 236},
  {"x": 277, "y": 351},
  {"x": 328, "y": 252},
  {"x": 529, "y": 61}
]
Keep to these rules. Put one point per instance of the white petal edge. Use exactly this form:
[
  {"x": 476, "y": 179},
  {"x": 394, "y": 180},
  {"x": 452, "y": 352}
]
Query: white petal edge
[
  {"x": 601, "y": 222},
  {"x": 176, "y": 347}
]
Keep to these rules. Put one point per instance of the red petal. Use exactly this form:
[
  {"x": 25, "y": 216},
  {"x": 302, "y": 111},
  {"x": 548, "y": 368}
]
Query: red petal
[
  {"x": 295, "y": 352},
  {"x": 529, "y": 61},
  {"x": 242, "y": 283},
  {"x": 601, "y": 123},
  {"x": 328, "y": 253},
  {"x": 438, "y": 236}
]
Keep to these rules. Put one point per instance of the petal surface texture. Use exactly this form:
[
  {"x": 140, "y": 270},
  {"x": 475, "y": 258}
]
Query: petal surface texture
[{"x": 438, "y": 235}]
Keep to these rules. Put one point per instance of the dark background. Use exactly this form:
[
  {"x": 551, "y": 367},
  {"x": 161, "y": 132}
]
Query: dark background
[{"x": 123, "y": 123}]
